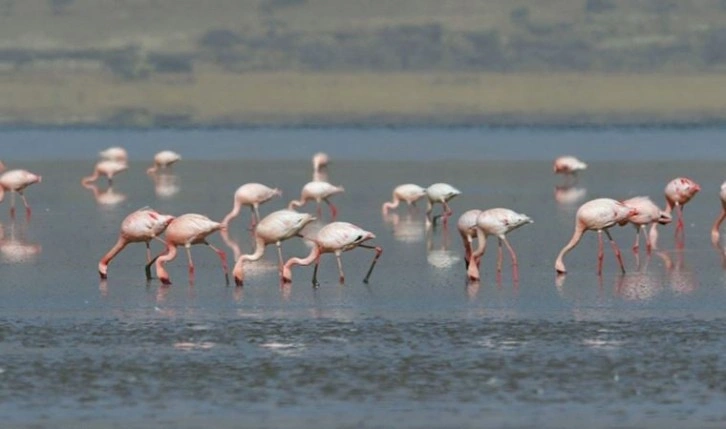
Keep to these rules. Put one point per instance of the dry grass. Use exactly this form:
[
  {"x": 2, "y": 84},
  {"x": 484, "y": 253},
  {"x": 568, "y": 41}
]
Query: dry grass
[{"x": 216, "y": 97}]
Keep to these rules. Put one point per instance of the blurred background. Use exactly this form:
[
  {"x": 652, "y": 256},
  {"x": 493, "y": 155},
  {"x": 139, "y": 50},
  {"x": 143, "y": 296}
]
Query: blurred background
[{"x": 147, "y": 63}]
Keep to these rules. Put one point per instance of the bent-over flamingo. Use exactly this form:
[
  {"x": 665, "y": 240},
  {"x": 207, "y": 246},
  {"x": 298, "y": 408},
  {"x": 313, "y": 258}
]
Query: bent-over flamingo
[
  {"x": 163, "y": 159},
  {"x": 252, "y": 195},
  {"x": 648, "y": 214},
  {"x": 678, "y": 192},
  {"x": 16, "y": 181},
  {"x": 597, "y": 215},
  {"x": 440, "y": 193},
  {"x": 105, "y": 168},
  {"x": 467, "y": 229},
  {"x": 336, "y": 237},
  {"x": 115, "y": 153},
  {"x": 408, "y": 192},
  {"x": 318, "y": 191},
  {"x": 274, "y": 228},
  {"x": 497, "y": 222},
  {"x": 187, "y": 230},
  {"x": 141, "y": 226},
  {"x": 720, "y": 218}
]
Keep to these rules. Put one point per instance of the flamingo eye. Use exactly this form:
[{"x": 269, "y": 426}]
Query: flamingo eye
[
  {"x": 153, "y": 216},
  {"x": 359, "y": 238}
]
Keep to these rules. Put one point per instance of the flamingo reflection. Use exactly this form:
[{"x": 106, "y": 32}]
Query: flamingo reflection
[
  {"x": 640, "y": 285},
  {"x": 108, "y": 197},
  {"x": 166, "y": 185},
  {"x": 14, "y": 247},
  {"x": 682, "y": 279},
  {"x": 406, "y": 229},
  {"x": 567, "y": 195},
  {"x": 441, "y": 257}
]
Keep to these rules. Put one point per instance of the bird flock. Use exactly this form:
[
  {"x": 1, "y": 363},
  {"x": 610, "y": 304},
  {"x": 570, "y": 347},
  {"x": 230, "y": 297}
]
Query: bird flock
[{"x": 186, "y": 230}]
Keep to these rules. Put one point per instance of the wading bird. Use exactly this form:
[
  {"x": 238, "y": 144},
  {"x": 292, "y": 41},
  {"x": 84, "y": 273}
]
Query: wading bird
[
  {"x": 467, "y": 229},
  {"x": 597, "y": 215},
  {"x": 318, "y": 191},
  {"x": 678, "y": 192},
  {"x": 252, "y": 195},
  {"x": 105, "y": 168},
  {"x": 440, "y": 193},
  {"x": 336, "y": 237},
  {"x": 648, "y": 214},
  {"x": 274, "y": 228},
  {"x": 720, "y": 218},
  {"x": 409, "y": 193},
  {"x": 163, "y": 159},
  {"x": 115, "y": 153},
  {"x": 141, "y": 226},
  {"x": 15, "y": 181}
]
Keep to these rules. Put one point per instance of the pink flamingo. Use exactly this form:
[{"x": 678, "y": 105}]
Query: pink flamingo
[
  {"x": 115, "y": 153},
  {"x": 467, "y": 229},
  {"x": 678, "y": 192},
  {"x": 336, "y": 237},
  {"x": 648, "y": 214},
  {"x": 597, "y": 215},
  {"x": 497, "y": 222},
  {"x": 274, "y": 228},
  {"x": 568, "y": 165},
  {"x": 252, "y": 195},
  {"x": 15, "y": 181},
  {"x": 440, "y": 193},
  {"x": 105, "y": 168},
  {"x": 187, "y": 230},
  {"x": 715, "y": 235},
  {"x": 320, "y": 161},
  {"x": 318, "y": 191},
  {"x": 409, "y": 193},
  {"x": 163, "y": 159},
  {"x": 141, "y": 226}
]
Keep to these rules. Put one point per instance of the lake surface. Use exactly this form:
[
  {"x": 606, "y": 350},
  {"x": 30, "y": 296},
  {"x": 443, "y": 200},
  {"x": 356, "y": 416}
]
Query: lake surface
[{"x": 418, "y": 347}]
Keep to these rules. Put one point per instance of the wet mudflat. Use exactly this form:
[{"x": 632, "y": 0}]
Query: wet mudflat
[{"x": 419, "y": 346}]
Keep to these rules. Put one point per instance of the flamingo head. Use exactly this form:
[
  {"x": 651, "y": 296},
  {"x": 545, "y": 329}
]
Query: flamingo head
[
  {"x": 320, "y": 160},
  {"x": 664, "y": 218}
]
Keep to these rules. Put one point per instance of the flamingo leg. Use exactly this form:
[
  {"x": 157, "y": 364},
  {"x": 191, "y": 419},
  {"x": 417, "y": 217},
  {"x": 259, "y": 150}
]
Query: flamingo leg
[
  {"x": 12, "y": 204},
  {"x": 25, "y": 203},
  {"x": 515, "y": 263},
  {"x": 680, "y": 231},
  {"x": 340, "y": 267},
  {"x": 191, "y": 263},
  {"x": 315, "y": 273},
  {"x": 257, "y": 214},
  {"x": 375, "y": 259},
  {"x": 333, "y": 209},
  {"x": 252, "y": 219},
  {"x": 499, "y": 256},
  {"x": 600, "y": 252},
  {"x": 279, "y": 255},
  {"x": 648, "y": 244},
  {"x": 636, "y": 245},
  {"x": 447, "y": 212},
  {"x": 616, "y": 250},
  {"x": 319, "y": 211},
  {"x": 223, "y": 260}
]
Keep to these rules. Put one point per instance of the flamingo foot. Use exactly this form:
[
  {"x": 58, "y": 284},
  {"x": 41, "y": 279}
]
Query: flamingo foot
[
  {"x": 103, "y": 275},
  {"x": 342, "y": 279},
  {"x": 165, "y": 281},
  {"x": 238, "y": 281}
]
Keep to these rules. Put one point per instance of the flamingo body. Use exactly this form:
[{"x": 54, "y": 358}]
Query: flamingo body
[
  {"x": 678, "y": 192},
  {"x": 273, "y": 229},
  {"x": 648, "y": 214},
  {"x": 16, "y": 181},
  {"x": 141, "y": 226},
  {"x": 115, "y": 153},
  {"x": 408, "y": 192},
  {"x": 336, "y": 237},
  {"x": 164, "y": 159},
  {"x": 317, "y": 191},
  {"x": 497, "y": 222},
  {"x": 252, "y": 195},
  {"x": 715, "y": 235},
  {"x": 440, "y": 193},
  {"x": 106, "y": 168},
  {"x": 597, "y": 215},
  {"x": 187, "y": 230},
  {"x": 568, "y": 165}
]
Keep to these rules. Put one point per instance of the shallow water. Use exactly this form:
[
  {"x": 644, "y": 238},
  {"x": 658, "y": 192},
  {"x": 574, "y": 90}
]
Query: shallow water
[{"x": 418, "y": 346}]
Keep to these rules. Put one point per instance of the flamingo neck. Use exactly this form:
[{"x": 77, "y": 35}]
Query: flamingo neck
[
  {"x": 576, "y": 237},
  {"x": 391, "y": 204},
  {"x": 164, "y": 258},
  {"x": 296, "y": 203},
  {"x": 314, "y": 254},
  {"x": 481, "y": 238},
  {"x": 119, "y": 246},
  {"x": 235, "y": 211},
  {"x": 238, "y": 270},
  {"x": 91, "y": 178}
]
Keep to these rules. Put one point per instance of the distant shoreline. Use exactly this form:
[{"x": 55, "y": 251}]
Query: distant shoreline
[{"x": 217, "y": 99}]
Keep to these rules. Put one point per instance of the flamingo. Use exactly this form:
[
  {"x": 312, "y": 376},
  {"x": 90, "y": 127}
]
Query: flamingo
[
  {"x": 140, "y": 226},
  {"x": 105, "y": 168},
  {"x": 440, "y": 193},
  {"x": 318, "y": 191},
  {"x": 568, "y": 165},
  {"x": 678, "y": 192},
  {"x": 648, "y": 213},
  {"x": 16, "y": 181},
  {"x": 163, "y": 159},
  {"x": 717, "y": 224},
  {"x": 497, "y": 222},
  {"x": 597, "y": 215},
  {"x": 320, "y": 161},
  {"x": 274, "y": 228},
  {"x": 186, "y": 230},
  {"x": 336, "y": 237},
  {"x": 251, "y": 194},
  {"x": 115, "y": 153},
  {"x": 467, "y": 229},
  {"x": 409, "y": 193}
]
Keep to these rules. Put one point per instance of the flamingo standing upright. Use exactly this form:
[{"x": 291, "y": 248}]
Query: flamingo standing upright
[
  {"x": 408, "y": 192},
  {"x": 497, "y": 222},
  {"x": 274, "y": 228},
  {"x": 318, "y": 191},
  {"x": 336, "y": 237},
  {"x": 15, "y": 181},
  {"x": 252, "y": 195},
  {"x": 648, "y": 214},
  {"x": 105, "y": 168},
  {"x": 440, "y": 193},
  {"x": 187, "y": 230},
  {"x": 163, "y": 159},
  {"x": 678, "y": 192},
  {"x": 141, "y": 226},
  {"x": 597, "y": 215},
  {"x": 720, "y": 218},
  {"x": 467, "y": 229},
  {"x": 115, "y": 153}
]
